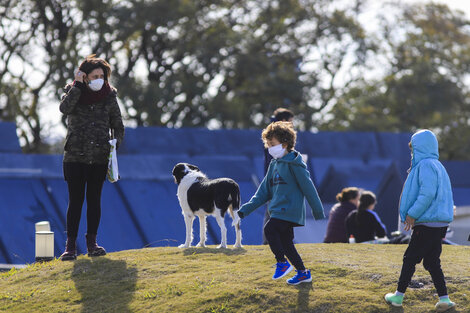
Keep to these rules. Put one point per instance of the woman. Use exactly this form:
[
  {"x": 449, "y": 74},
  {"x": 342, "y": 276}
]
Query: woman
[
  {"x": 348, "y": 201},
  {"x": 364, "y": 224},
  {"x": 91, "y": 108}
]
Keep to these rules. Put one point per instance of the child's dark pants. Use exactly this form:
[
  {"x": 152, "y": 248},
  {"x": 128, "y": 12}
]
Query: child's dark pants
[
  {"x": 280, "y": 237},
  {"x": 426, "y": 245}
]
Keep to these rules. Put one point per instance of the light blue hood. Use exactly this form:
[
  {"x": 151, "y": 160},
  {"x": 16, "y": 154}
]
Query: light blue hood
[
  {"x": 425, "y": 146},
  {"x": 427, "y": 193}
]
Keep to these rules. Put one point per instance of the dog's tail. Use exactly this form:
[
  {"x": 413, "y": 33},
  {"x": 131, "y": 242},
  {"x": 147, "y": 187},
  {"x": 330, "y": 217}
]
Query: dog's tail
[{"x": 233, "y": 208}]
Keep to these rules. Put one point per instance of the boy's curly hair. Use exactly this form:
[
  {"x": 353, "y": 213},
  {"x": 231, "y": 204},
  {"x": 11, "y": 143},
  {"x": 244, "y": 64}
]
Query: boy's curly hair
[{"x": 283, "y": 131}]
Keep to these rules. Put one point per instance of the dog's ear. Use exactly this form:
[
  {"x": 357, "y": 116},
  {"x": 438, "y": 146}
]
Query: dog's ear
[
  {"x": 175, "y": 169},
  {"x": 194, "y": 167}
]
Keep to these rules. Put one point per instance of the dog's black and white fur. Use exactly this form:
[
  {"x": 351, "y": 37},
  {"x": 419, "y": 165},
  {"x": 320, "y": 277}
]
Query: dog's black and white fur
[{"x": 200, "y": 196}]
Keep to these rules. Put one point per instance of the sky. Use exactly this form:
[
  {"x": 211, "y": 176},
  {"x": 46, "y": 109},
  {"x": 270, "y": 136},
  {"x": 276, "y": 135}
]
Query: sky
[{"x": 52, "y": 115}]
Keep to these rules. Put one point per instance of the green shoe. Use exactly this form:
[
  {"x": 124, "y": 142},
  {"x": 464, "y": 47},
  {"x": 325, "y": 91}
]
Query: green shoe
[
  {"x": 393, "y": 299},
  {"x": 444, "y": 305}
]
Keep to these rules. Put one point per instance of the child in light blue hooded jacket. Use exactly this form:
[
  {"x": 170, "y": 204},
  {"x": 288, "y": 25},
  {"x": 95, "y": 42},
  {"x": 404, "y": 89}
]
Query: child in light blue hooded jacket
[{"x": 426, "y": 206}]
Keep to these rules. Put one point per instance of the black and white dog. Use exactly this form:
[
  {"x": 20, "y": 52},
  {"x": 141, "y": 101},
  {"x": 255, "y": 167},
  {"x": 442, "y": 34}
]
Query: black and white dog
[{"x": 200, "y": 196}]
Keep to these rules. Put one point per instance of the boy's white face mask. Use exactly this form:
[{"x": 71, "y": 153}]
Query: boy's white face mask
[
  {"x": 277, "y": 151},
  {"x": 96, "y": 84}
]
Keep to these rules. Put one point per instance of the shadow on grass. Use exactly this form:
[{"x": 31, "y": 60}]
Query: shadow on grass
[
  {"x": 105, "y": 285},
  {"x": 193, "y": 251},
  {"x": 303, "y": 296}
]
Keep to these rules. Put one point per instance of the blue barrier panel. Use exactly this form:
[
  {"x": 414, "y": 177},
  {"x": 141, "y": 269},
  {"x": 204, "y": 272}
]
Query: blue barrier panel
[
  {"x": 160, "y": 217},
  {"x": 460, "y": 195},
  {"x": 157, "y": 167},
  {"x": 388, "y": 196},
  {"x": 160, "y": 167},
  {"x": 192, "y": 141},
  {"x": 201, "y": 141},
  {"x": 378, "y": 176},
  {"x": 240, "y": 169},
  {"x": 57, "y": 187},
  {"x": 319, "y": 168},
  {"x": 8, "y": 138},
  {"x": 25, "y": 202},
  {"x": 313, "y": 231},
  {"x": 116, "y": 231},
  {"x": 234, "y": 167},
  {"x": 356, "y": 145},
  {"x": 157, "y": 210},
  {"x": 459, "y": 173},
  {"x": 155, "y": 140},
  {"x": 30, "y": 165},
  {"x": 159, "y": 214},
  {"x": 394, "y": 146},
  {"x": 258, "y": 167},
  {"x": 252, "y": 225},
  {"x": 226, "y": 142},
  {"x": 143, "y": 209},
  {"x": 351, "y": 173}
]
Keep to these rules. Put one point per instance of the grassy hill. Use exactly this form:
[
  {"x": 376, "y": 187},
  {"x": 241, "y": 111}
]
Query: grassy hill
[{"x": 346, "y": 278}]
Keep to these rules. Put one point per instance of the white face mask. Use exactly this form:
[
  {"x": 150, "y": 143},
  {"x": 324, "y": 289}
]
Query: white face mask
[
  {"x": 96, "y": 84},
  {"x": 277, "y": 151}
]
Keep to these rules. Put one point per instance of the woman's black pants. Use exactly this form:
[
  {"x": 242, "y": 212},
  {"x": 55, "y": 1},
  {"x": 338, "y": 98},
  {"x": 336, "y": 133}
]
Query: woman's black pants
[{"x": 84, "y": 179}]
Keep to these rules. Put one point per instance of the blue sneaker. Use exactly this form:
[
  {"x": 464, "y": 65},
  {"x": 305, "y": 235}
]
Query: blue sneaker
[
  {"x": 301, "y": 277},
  {"x": 282, "y": 269}
]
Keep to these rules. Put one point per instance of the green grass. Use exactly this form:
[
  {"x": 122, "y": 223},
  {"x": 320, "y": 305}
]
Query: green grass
[{"x": 346, "y": 278}]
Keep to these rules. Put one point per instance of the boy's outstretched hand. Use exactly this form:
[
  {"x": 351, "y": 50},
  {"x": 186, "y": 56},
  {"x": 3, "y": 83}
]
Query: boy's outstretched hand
[{"x": 409, "y": 223}]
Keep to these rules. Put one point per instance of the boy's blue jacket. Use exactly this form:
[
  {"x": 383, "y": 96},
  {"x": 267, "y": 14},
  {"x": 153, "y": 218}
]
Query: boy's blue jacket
[
  {"x": 285, "y": 185},
  {"x": 427, "y": 193}
]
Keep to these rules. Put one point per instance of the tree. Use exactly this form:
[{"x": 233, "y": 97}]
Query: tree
[
  {"x": 424, "y": 85},
  {"x": 37, "y": 44},
  {"x": 231, "y": 63},
  {"x": 220, "y": 63}
]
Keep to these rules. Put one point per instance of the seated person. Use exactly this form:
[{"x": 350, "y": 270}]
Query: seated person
[
  {"x": 364, "y": 224},
  {"x": 348, "y": 199}
]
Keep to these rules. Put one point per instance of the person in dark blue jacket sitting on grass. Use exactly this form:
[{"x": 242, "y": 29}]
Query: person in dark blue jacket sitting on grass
[
  {"x": 364, "y": 224},
  {"x": 285, "y": 185}
]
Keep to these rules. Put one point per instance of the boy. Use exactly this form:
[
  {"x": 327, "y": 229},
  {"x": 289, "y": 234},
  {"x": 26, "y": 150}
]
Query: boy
[
  {"x": 285, "y": 185},
  {"x": 426, "y": 206},
  {"x": 280, "y": 114}
]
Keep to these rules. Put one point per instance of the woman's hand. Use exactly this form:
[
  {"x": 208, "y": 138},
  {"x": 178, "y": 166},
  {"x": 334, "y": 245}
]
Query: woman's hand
[{"x": 79, "y": 76}]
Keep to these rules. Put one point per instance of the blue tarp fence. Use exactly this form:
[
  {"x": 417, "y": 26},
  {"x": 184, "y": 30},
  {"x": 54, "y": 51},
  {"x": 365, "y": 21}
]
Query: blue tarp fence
[{"x": 142, "y": 210}]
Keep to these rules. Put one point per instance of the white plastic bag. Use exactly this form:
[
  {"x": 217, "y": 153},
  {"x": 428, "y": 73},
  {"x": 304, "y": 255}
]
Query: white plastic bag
[{"x": 113, "y": 170}]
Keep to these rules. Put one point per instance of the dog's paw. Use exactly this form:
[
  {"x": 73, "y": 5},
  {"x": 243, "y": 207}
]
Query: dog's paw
[
  {"x": 201, "y": 245},
  {"x": 237, "y": 246},
  {"x": 183, "y": 246},
  {"x": 221, "y": 246}
]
